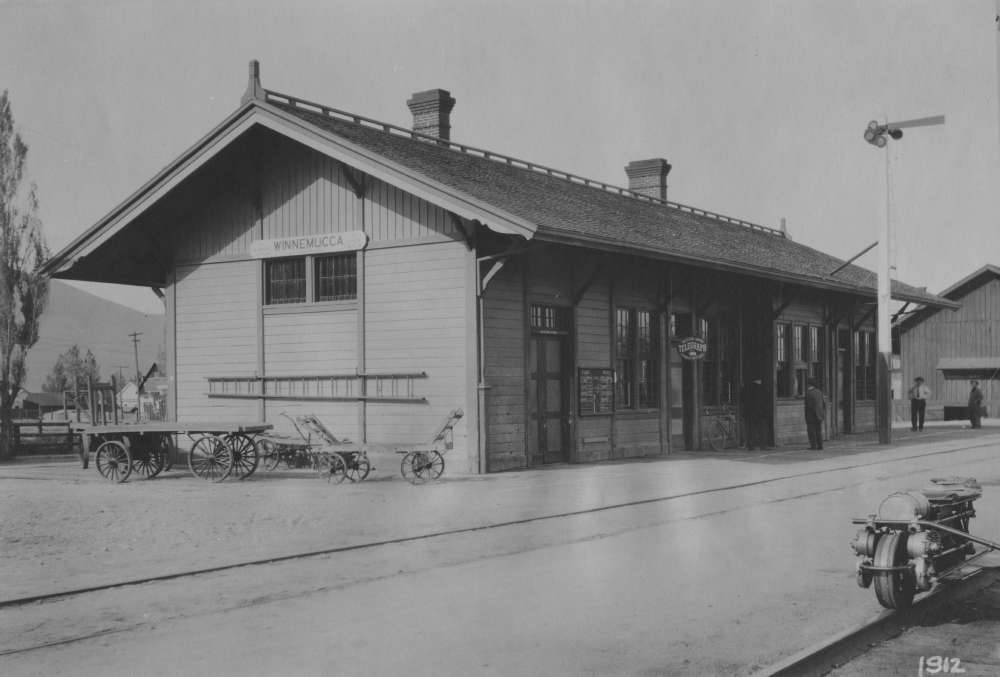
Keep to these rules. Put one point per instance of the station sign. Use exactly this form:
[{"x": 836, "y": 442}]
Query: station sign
[
  {"x": 692, "y": 348},
  {"x": 323, "y": 243}
]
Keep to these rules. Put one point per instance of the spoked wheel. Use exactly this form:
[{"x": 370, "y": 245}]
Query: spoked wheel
[
  {"x": 147, "y": 458},
  {"x": 406, "y": 468},
  {"x": 113, "y": 461},
  {"x": 211, "y": 459},
  {"x": 272, "y": 456},
  {"x": 893, "y": 589},
  {"x": 332, "y": 467},
  {"x": 358, "y": 467},
  {"x": 717, "y": 436},
  {"x": 432, "y": 465},
  {"x": 418, "y": 471},
  {"x": 245, "y": 455}
]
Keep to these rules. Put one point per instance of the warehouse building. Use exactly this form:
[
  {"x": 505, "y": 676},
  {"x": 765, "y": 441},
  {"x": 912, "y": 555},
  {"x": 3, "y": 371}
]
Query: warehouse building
[{"x": 314, "y": 260}]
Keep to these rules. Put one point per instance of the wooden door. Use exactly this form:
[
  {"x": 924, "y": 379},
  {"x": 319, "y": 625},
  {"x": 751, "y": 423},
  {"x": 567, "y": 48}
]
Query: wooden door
[{"x": 548, "y": 399}]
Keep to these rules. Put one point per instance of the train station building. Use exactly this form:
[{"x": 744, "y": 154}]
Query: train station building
[{"x": 312, "y": 260}]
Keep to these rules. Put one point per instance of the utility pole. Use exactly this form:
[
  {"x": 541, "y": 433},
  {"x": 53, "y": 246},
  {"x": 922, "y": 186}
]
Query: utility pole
[
  {"x": 876, "y": 135},
  {"x": 135, "y": 344}
]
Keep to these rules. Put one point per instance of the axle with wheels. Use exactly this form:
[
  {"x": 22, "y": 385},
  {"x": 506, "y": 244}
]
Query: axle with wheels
[{"x": 916, "y": 537}]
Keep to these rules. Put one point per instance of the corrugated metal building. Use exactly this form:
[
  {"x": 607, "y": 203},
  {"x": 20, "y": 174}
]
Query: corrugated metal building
[
  {"x": 313, "y": 260},
  {"x": 948, "y": 349}
]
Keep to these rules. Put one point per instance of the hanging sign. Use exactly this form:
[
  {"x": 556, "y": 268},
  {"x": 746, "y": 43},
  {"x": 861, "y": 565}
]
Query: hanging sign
[
  {"x": 324, "y": 243},
  {"x": 692, "y": 348}
]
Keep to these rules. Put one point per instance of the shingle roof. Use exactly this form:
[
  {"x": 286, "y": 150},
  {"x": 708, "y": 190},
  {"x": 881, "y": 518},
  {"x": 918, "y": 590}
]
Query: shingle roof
[{"x": 569, "y": 211}]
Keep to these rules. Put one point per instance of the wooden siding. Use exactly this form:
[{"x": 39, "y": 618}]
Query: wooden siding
[
  {"x": 216, "y": 329},
  {"x": 302, "y": 344},
  {"x": 393, "y": 215},
  {"x": 637, "y": 435},
  {"x": 503, "y": 335},
  {"x": 304, "y": 193},
  {"x": 415, "y": 321},
  {"x": 593, "y": 349},
  {"x": 971, "y": 331}
]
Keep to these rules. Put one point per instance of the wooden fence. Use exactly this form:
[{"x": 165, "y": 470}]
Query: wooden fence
[{"x": 35, "y": 436}]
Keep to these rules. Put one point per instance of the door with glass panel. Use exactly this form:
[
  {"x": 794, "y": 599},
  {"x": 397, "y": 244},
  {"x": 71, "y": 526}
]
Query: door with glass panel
[{"x": 548, "y": 402}]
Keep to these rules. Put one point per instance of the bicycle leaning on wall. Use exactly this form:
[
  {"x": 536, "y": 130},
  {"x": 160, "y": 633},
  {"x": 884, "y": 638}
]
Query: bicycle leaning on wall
[{"x": 723, "y": 429}]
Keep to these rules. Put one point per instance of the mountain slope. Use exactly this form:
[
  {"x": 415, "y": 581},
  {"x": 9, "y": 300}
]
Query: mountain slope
[{"x": 74, "y": 316}]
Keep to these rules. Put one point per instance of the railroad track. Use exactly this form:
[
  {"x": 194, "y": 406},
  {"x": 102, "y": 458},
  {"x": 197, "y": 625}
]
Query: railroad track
[{"x": 837, "y": 651}]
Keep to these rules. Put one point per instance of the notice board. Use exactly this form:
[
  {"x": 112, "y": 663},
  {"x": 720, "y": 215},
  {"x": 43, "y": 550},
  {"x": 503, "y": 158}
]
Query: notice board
[{"x": 597, "y": 390}]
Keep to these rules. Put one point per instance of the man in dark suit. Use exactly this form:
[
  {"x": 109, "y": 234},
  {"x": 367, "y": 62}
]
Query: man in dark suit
[
  {"x": 976, "y": 406},
  {"x": 755, "y": 408},
  {"x": 815, "y": 413}
]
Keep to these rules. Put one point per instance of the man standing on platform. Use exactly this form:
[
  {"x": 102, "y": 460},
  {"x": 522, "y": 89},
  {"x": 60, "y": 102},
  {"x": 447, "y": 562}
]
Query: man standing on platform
[
  {"x": 815, "y": 413},
  {"x": 976, "y": 406},
  {"x": 919, "y": 394}
]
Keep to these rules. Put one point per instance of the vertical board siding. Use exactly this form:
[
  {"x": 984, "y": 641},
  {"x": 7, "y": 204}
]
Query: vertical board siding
[
  {"x": 221, "y": 227},
  {"x": 637, "y": 436},
  {"x": 392, "y": 214},
  {"x": 415, "y": 322},
  {"x": 593, "y": 349},
  {"x": 305, "y": 193},
  {"x": 216, "y": 331},
  {"x": 503, "y": 335},
  {"x": 971, "y": 331}
]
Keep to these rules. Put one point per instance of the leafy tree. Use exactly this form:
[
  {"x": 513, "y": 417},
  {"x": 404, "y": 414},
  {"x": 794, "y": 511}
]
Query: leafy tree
[
  {"x": 68, "y": 368},
  {"x": 23, "y": 289}
]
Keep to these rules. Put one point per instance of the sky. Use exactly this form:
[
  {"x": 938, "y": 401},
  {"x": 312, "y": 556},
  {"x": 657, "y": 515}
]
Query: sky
[{"x": 760, "y": 106}]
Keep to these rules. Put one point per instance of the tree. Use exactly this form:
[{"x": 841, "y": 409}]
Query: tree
[
  {"x": 68, "y": 368},
  {"x": 23, "y": 289}
]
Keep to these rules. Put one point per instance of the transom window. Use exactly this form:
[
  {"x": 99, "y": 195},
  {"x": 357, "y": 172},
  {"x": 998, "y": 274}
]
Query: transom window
[{"x": 306, "y": 279}]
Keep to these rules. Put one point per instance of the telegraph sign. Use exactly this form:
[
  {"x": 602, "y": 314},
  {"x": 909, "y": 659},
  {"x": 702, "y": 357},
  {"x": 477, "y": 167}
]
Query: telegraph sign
[{"x": 692, "y": 348}]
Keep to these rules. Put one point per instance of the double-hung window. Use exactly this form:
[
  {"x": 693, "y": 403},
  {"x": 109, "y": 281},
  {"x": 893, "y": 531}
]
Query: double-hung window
[
  {"x": 311, "y": 279},
  {"x": 637, "y": 364}
]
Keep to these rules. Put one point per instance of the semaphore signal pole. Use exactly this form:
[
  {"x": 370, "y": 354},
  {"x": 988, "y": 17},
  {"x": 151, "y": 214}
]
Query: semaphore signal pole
[{"x": 876, "y": 134}]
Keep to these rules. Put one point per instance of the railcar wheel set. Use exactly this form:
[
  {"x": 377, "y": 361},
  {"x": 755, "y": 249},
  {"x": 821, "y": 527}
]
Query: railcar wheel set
[{"x": 917, "y": 537}]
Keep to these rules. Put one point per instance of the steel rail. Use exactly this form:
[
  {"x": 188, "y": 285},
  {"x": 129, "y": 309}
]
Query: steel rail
[{"x": 840, "y": 649}]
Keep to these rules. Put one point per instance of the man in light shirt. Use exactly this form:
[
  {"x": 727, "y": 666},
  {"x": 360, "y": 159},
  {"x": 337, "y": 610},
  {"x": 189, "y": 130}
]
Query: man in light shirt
[{"x": 919, "y": 394}]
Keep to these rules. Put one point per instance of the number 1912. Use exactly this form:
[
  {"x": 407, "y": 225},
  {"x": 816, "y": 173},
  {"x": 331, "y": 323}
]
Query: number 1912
[{"x": 935, "y": 665}]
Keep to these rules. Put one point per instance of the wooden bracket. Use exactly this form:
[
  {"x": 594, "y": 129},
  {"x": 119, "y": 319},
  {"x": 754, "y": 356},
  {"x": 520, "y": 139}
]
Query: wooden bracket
[
  {"x": 356, "y": 179},
  {"x": 590, "y": 279},
  {"x": 456, "y": 220}
]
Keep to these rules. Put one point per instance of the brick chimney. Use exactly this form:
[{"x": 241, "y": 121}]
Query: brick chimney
[
  {"x": 431, "y": 112},
  {"x": 648, "y": 177}
]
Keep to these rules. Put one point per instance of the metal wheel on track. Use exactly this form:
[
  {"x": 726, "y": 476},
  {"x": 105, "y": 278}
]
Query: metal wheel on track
[
  {"x": 893, "y": 589},
  {"x": 113, "y": 461},
  {"x": 357, "y": 467},
  {"x": 246, "y": 456},
  {"x": 211, "y": 459}
]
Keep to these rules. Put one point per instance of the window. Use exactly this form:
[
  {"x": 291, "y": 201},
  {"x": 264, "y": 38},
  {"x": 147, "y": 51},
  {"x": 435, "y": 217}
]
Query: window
[
  {"x": 637, "y": 364},
  {"x": 550, "y": 319},
  {"x": 311, "y": 279},
  {"x": 285, "y": 281},
  {"x": 336, "y": 277},
  {"x": 864, "y": 365},
  {"x": 783, "y": 380},
  {"x": 799, "y": 351},
  {"x": 817, "y": 353}
]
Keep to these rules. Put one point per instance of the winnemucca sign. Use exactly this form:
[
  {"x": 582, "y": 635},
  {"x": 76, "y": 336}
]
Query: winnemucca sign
[
  {"x": 324, "y": 243},
  {"x": 692, "y": 348}
]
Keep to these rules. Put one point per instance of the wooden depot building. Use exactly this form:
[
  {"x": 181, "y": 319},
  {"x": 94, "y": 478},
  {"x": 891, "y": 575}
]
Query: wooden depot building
[{"x": 314, "y": 260}]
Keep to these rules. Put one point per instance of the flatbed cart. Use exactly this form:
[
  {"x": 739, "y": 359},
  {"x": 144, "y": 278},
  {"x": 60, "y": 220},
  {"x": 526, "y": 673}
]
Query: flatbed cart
[
  {"x": 219, "y": 450},
  {"x": 337, "y": 459},
  {"x": 916, "y": 538}
]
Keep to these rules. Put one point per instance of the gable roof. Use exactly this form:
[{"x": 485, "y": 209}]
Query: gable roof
[
  {"x": 955, "y": 292},
  {"x": 504, "y": 194}
]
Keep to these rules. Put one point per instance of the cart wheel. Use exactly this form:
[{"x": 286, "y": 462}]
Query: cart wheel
[
  {"x": 358, "y": 467},
  {"x": 147, "y": 461},
  {"x": 419, "y": 464},
  {"x": 245, "y": 454},
  {"x": 406, "y": 468},
  {"x": 331, "y": 466},
  {"x": 894, "y": 589},
  {"x": 272, "y": 457},
  {"x": 113, "y": 461},
  {"x": 210, "y": 459},
  {"x": 433, "y": 465}
]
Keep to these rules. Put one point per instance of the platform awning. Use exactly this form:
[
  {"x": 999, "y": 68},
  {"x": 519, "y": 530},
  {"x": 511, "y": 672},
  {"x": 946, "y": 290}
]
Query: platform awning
[{"x": 983, "y": 368}]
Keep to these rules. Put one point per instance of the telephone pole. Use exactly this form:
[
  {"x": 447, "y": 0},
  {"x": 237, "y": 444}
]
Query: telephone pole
[{"x": 135, "y": 344}]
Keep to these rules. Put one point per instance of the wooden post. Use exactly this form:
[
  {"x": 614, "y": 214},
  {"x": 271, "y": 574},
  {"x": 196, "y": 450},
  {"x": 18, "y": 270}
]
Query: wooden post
[
  {"x": 90, "y": 400},
  {"x": 114, "y": 397}
]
